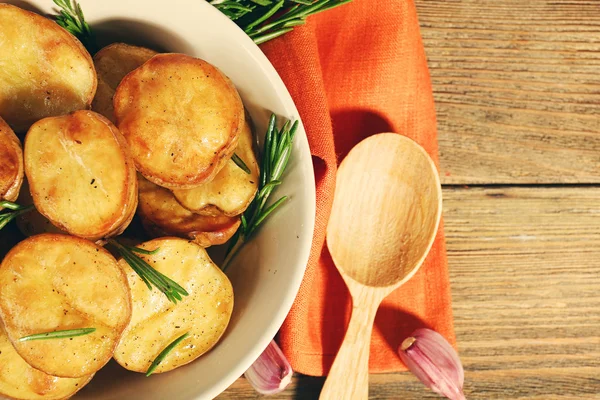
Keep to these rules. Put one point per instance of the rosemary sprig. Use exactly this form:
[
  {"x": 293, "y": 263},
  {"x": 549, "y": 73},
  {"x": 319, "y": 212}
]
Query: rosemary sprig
[
  {"x": 163, "y": 354},
  {"x": 11, "y": 211},
  {"x": 276, "y": 154},
  {"x": 71, "y": 18},
  {"x": 264, "y": 20},
  {"x": 68, "y": 333},
  {"x": 149, "y": 275},
  {"x": 240, "y": 163}
]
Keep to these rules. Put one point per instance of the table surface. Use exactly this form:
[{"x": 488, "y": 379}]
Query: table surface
[{"x": 517, "y": 90}]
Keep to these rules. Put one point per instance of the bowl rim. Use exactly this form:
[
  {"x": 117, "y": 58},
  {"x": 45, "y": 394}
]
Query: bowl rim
[{"x": 279, "y": 88}]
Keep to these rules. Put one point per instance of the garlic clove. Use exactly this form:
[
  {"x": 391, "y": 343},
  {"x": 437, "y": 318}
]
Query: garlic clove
[
  {"x": 271, "y": 373},
  {"x": 429, "y": 356}
]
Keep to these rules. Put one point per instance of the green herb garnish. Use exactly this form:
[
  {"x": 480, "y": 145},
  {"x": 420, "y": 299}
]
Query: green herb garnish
[
  {"x": 149, "y": 275},
  {"x": 11, "y": 211},
  {"x": 163, "y": 354},
  {"x": 264, "y": 20},
  {"x": 276, "y": 154},
  {"x": 69, "y": 333},
  {"x": 71, "y": 18},
  {"x": 240, "y": 163}
]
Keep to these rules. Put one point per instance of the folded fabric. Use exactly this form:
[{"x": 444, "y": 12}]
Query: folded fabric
[{"x": 354, "y": 71}]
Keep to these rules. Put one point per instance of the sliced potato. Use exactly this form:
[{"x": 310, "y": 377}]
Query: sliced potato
[
  {"x": 45, "y": 70},
  {"x": 112, "y": 63},
  {"x": 80, "y": 174},
  {"x": 232, "y": 190},
  {"x": 18, "y": 380},
  {"x": 11, "y": 163},
  {"x": 162, "y": 215},
  {"x": 156, "y": 322},
  {"x": 56, "y": 282},
  {"x": 181, "y": 117}
]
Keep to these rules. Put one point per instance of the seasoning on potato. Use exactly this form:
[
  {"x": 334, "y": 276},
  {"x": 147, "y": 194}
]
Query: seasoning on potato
[
  {"x": 54, "y": 282},
  {"x": 156, "y": 322},
  {"x": 232, "y": 190},
  {"x": 112, "y": 63},
  {"x": 181, "y": 117},
  {"x": 81, "y": 175},
  {"x": 45, "y": 70},
  {"x": 18, "y": 380},
  {"x": 11, "y": 163},
  {"x": 162, "y": 215}
]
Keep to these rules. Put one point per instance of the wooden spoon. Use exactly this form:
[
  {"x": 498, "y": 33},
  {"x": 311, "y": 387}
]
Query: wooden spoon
[{"x": 386, "y": 211}]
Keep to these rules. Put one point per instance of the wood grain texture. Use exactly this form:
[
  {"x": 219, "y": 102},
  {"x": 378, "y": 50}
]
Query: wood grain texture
[
  {"x": 517, "y": 89},
  {"x": 525, "y": 271}
]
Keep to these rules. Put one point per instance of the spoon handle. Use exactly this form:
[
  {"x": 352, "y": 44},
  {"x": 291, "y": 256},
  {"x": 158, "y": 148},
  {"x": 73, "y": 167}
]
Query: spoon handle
[{"x": 349, "y": 375}]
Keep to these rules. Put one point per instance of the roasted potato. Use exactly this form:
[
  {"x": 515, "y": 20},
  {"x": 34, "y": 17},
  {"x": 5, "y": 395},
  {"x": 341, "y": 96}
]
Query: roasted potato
[
  {"x": 232, "y": 190},
  {"x": 18, "y": 380},
  {"x": 81, "y": 175},
  {"x": 45, "y": 70},
  {"x": 112, "y": 63},
  {"x": 11, "y": 162},
  {"x": 181, "y": 117},
  {"x": 56, "y": 282},
  {"x": 156, "y": 322},
  {"x": 162, "y": 215}
]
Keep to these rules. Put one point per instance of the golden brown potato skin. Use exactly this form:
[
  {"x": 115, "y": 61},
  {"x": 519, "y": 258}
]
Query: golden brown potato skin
[
  {"x": 156, "y": 322},
  {"x": 18, "y": 380},
  {"x": 55, "y": 282},
  {"x": 112, "y": 63},
  {"x": 45, "y": 70},
  {"x": 81, "y": 175},
  {"x": 162, "y": 215},
  {"x": 232, "y": 190},
  {"x": 11, "y": 163},
  {"x": 181, "y": 117}
]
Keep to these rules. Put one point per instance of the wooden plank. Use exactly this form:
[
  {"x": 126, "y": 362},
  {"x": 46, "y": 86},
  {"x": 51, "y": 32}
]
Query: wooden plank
[
  {"x": 517, "y": 89},
  {"x": 525, "y": 271}
]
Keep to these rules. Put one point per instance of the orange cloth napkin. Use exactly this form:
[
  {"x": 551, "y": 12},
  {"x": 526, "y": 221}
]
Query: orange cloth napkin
[{"x": 354, "y": 71}]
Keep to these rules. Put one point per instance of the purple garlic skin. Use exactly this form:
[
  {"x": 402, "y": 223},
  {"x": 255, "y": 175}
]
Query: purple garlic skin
[
  {"x": 271, "y": 373},
  {"x": 430, "y": 357}
]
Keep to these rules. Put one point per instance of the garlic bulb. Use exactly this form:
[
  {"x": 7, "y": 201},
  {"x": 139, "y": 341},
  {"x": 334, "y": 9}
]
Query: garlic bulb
[
  {"x": 432, "y": 359},
  {"x": 271, "y": 372}
]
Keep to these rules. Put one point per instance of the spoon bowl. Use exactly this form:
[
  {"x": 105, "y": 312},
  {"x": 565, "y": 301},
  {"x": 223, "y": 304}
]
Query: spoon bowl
[{"x": 386, "y": 211}]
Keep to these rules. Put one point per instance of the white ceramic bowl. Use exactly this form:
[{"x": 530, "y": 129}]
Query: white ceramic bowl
[{"x": 266, "y": 275}]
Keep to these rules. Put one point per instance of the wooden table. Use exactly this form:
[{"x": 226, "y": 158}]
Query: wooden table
[{"x": 517, "y": 86}]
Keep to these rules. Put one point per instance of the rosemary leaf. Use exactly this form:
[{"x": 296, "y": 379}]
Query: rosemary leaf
[
  {"x": 71, "y": 18},
  {"x": 266, "y": 213},
  {"x": 240, "y": 163},
  {"x": 12, "y": 211},
  {"x": 163, "y": 354},
  {"x": 142, "y": 251},
  {"x": 268, "y": 36},
  {"x": 262, "y": 2},
  {"x": 151, "y": 277},
  {"x": 265, "y": 16},
  {"x": 69, "y": 333},
  {"x": 276, "y": 153},
  {"x": 10, "y": 205}
]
